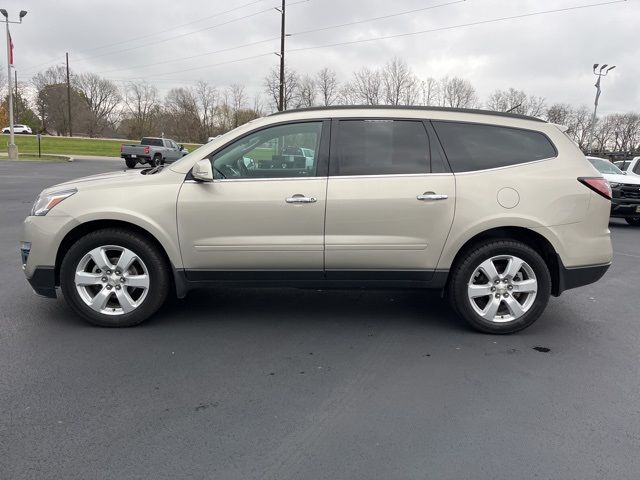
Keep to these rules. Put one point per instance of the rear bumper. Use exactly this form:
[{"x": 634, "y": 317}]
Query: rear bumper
[
  {"x": 43, "y": 282},
  {"x": 574, "y": 277}
]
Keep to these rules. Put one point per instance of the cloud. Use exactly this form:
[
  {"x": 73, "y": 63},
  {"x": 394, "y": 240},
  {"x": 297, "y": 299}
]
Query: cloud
[{"x": 546, "y": 55}]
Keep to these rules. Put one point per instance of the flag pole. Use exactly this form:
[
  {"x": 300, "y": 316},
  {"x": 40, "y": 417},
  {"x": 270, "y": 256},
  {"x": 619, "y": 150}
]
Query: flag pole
[{"x": 12, "y": 148}]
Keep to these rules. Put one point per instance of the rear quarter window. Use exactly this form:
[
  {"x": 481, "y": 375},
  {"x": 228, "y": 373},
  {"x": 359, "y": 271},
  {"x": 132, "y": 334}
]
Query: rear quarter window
[{"x": 471, "y": 146}]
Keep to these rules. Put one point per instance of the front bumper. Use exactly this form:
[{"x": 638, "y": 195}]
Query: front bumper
[
  {"x": 41, "y": 238},
  {"x": 43, "y": 282},
  {"x": 625, "y": 207}
]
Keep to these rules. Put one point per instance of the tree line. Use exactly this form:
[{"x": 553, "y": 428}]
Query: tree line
[{"x": 101, "y": 107}]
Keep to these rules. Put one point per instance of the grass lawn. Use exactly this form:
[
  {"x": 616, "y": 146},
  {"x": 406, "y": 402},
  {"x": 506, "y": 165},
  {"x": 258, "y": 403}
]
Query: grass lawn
[{"x": 70, "y": 146}]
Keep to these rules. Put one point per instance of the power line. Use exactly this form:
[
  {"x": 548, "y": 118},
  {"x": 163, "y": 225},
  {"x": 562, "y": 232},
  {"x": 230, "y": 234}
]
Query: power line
[
  {"x": 177, "y": 27},
  {"x": 399, "y": 35},
  {"x": 233, "y": 20},
  {"x": 217, "y": 14},
  {"x": 451, "y": 27},
  {"x": 406, "y": 12},
  {"x": 193, "y": 56},
  {"x": 82, "y": 59},
  {"x": 373, "y": 19}
]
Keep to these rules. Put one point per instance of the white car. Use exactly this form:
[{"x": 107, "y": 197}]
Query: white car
[
  {"x": 633, "y": 167},
  {"x": 625, "y": 188},
  {"x": 18, "y": 129}
]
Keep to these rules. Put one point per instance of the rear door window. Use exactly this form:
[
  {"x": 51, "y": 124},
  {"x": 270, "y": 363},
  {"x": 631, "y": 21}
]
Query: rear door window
[
  {"x": 380, "y": 147},
  {"x": 471, "y": 146}
]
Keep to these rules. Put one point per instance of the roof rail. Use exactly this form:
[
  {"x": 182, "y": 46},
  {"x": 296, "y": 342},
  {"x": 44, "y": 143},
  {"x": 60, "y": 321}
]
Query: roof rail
[{"x": 412, "y": 107}]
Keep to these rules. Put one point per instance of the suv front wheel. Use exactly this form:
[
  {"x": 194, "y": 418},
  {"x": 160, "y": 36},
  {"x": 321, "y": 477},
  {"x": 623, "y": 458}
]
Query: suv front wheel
[
  {"x": 114, "y": 278},
  {"x": 500, "y": 287}
]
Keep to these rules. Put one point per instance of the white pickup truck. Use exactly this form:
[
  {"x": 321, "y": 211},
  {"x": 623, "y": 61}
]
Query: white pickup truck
[
  {"x": 152, "y": 151},
  {"x": 633, "y": 167}
]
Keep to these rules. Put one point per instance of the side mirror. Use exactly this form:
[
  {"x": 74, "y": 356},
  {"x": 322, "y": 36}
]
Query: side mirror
[
  {"x": 202, "y": 171},
  {"x": 181, "y": 147}
]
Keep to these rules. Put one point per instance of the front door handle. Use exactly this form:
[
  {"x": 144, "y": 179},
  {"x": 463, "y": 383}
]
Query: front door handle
[
  {"x": 431, "y": 196},
  {"x": 299, "y": 198}
]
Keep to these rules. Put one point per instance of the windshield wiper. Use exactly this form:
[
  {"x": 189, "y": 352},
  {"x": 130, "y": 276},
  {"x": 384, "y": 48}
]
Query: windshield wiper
[{"x": 151, "y": 171}]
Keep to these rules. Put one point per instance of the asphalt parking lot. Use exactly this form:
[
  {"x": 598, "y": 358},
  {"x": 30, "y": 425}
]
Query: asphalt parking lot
[{"x": 287, "y": 384}]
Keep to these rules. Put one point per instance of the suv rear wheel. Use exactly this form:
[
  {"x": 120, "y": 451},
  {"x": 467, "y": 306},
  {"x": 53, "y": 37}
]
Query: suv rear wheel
[
  {"x": 114, "y": 278},
  {"x": 500, "y": 287}
]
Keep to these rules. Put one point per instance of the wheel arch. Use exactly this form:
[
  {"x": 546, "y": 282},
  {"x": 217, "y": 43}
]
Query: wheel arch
[
  {"x": 90, "y": 226},
  {"x": 525, "y": 235}
]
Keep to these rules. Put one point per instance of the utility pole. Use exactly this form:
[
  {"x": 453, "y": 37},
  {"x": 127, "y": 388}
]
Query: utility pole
[
  {"x": 601, "y": 73},
  {"x": 12, "y": 148},
  {"x": 69, "y": 96},
  {"x": 281, "y": 104}
]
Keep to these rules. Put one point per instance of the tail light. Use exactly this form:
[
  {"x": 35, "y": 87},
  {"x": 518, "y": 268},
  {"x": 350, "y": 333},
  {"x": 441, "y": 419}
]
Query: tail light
[
  {"x": 146, "y": 150},
  {"x": 121, "y": 148},
  {"x": 598, "y": 185}
]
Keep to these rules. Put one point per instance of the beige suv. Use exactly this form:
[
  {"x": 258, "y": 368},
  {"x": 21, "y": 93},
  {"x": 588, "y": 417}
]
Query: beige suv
[{"x": 499, "y": 211}]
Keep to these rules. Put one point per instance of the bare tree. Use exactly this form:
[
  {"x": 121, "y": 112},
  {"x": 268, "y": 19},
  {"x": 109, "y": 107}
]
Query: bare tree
[
  {"x": 238, "y": 101},
  {"x": 307, "y": 93},
  {"x": 327, "y": 84},
  {"x": 102, "y": 97},
  {"x": 516, "y": 101},
  {"x": 142, "y": 105},
  {"x": 399, "y": 83},
  {"x": 559, "y": 113},
  {"x": 207, "y": 97},
  {"x": 181, "y": 115},
  {"x": 291, "y": 87},
  {"x": 458, "y": 93},
  {"x": 366, "y": 87},
  {"x": 430, "y": 91}
]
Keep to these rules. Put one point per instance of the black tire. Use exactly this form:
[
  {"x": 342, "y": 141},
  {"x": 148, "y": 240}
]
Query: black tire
[
  {"x": 131, "y": 163},
  {"x": 158, "y": 274},
  {"x": 156, "y": 160},
  {"x": 467, "y": 264},
  {"x": 635, "y": 221}
]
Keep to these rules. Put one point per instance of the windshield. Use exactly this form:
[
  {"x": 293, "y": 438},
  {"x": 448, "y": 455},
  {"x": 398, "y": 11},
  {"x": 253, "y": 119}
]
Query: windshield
[{"x": 605, "y": 166}]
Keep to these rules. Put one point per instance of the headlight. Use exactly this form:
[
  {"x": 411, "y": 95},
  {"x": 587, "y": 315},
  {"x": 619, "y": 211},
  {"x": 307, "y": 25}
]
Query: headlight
[
  {"x": 47, "y": 201},
  {"x": 614, "y": 185}
]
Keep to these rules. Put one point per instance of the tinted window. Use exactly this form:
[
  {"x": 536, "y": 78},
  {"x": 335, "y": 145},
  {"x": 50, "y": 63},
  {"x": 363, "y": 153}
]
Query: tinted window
[
  {"x": 155, "y": 142},
  {"x": 274, "y": 152},
  {"x": 470, "y": 146},
  {"x": 381, "y": 147}
]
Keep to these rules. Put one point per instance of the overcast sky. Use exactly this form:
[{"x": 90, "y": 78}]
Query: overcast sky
[{"x": 550, "y": 55}]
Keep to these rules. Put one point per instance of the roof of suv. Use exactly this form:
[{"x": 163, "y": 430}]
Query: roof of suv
[{"x": 401, "y": 107}]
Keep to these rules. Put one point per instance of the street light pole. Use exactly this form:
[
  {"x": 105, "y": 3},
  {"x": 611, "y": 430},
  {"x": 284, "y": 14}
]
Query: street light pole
[
  {"x": 12, "y": 148},
  {"x": 601, "y": 73}
]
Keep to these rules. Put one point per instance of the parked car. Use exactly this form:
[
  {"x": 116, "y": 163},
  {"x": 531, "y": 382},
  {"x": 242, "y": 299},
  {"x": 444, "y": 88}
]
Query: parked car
[
  {"x": 152, "y": 151},
  {"x": 633, "y": 167},
  {"x": 499, "y": 211},
  {"x": 18, "y": 128},
  {"x": 625, "y": 202},
  {"x": 622, "y": 164}
]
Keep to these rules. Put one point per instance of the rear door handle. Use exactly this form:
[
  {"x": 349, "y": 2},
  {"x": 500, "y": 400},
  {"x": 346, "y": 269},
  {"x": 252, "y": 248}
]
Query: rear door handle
[
  {"x": 431, "y": 196},
  {"x": 299, "y": 198}
]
